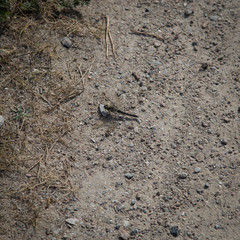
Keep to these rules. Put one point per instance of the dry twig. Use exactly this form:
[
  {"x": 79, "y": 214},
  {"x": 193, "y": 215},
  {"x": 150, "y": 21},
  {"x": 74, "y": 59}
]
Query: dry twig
[
  {"x": 111, "y": 41},
  {"x": 106, "y": 35},
  {"x": 109, "y": 36},
  {"x": 147, "y": 34}
]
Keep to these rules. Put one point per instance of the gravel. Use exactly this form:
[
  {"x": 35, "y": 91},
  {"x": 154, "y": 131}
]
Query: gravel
[
  {"x": 126, "y": 223},
  {"x": 123, "y": 234},
  {"x": 197, "y": 169},
  {"x": 214, "y": 17},
  {"x": 66, "y": 42},
  {"x": 134, "y": 232},
  {"x": 128, "y": 175},
  {"x": 174, "y": 231},
  {"x": 72, "y": 221},
  {"x": 188, "y": 13},
  {"x": 223, "y": 142},
  {"x": 182, "y": 175},
  {"x": 206, "y": 185}
]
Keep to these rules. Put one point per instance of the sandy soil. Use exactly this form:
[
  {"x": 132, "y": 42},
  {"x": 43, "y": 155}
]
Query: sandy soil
[{"x": 174, "y": 171}]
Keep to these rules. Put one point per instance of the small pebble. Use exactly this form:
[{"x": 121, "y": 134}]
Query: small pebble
[
  {"x": 217, "y": 226},
  {"x": 226, "y": 120},
  {"x": 200, "y": 147},
  {"x": 223, "y": 141},
  {"x": 72, "y": 221},
  {"x": 133, "y": 202},
  {"x": 138, "y": 196},
  {"x": 182, "y": 175},
  {"x": 199, "y": 191},
  {"x": 119, "y": 207},
  {"x": 173, "y": 146},
  {"x": 123, "y": 234},
  {"x": 204, "y": 124},
  {"x": 205, "y": 24},
  {"x": 102, "y": 110},
  {"x": 162, "y": 105},
  {"x": 197, "y": 169},
  {"x": 128, "y": 175},
  {"x": 134, "y": 232},
  {"x": 157, "y": 44},
  {"x": 131, "y": 145},
  {"x": 206, "y": 185},
  {"x": 117, "y": 227},
  {"x": 1, "y": 120},
  {"x": 175, "y": 231},
  {"x": 109, "y": 158},
  {"x": 66, "y": 42},
  {"x": 126, "y": 223},
  {"x": 214, "y": 17},
  {"x": 203, "y": 67},
  {"x": 188, "y": 13}
]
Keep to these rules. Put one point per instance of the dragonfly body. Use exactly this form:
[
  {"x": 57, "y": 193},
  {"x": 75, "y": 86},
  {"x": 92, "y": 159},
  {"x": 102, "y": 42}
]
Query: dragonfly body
[{"x": 113, "y": 109}]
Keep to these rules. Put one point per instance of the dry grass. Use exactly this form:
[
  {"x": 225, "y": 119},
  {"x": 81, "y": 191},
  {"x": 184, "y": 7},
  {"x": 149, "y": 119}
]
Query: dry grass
[{"x": 37, "y": 120}]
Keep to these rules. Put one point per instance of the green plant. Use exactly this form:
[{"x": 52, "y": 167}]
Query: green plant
[
  {"x": 73, "y": 3},
  {"x": 21, "y": 113},
  {"x": 4, "y": 10},
  {"x": 30, "y": 6},
  {"x": 7, "y": 8}
]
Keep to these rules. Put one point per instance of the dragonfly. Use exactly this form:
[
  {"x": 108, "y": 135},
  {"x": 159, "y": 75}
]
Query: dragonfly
[
  {"x": 108, "y": 113},
  {"x": 114, "y": 110}
]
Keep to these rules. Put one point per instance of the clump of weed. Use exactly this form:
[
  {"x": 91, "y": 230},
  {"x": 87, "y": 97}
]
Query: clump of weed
[
  {"x": 10, "y": 8},
  {"x": 20, "y": 113},
  {"x": 4, "y": 10},
  {"x": 34, "y": 104}
]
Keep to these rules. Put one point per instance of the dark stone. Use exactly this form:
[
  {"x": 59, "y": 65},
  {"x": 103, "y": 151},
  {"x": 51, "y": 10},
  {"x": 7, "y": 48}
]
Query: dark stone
[
  {"x": 199, "y": 191},
  {"x": 182, "y": 175},
  {"x": 217, "y": 226},
  {"x": 117, "y": 227},
  {"x": 223, "y": 142},
  {"x": 203, "y": 67},
  {"x": 134, "y": 232},
  {"x": 188, "y": 13},
  {"x": 133, "y": 202},
  {"x": 206, "y": 185},
  {"x": 175, "y": 231},
  {"x": 109, "y": 158}
]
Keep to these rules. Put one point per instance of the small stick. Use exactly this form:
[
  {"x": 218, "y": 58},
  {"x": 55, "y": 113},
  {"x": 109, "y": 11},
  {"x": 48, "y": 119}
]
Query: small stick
[
  {"x": 147, "y": 34},
  {"x": 80, "y": 71},
  {"x": 87, "y": 71},
  {"x": 106, "y": 34},
  {"x": 111, "y": 41},
  {"x": 22, "y": 124},
  {"x": 33, "y": 166},
  {"x": 69, "y": 71},
  {"x": 43, "y": 98}
]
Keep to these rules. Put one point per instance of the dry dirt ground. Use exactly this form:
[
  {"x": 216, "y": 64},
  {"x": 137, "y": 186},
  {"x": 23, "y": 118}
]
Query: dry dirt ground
[{"x": 171, "y": 173}]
